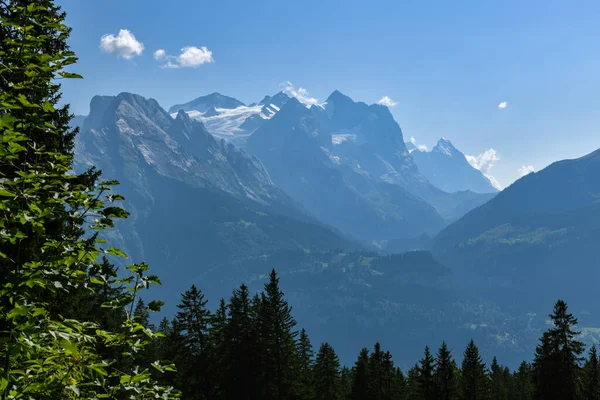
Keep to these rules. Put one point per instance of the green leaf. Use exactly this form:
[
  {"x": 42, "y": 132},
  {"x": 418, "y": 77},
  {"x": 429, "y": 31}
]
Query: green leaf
[
  {"x": 155, "y": 305},
  {"x": 115, "y": 252},
  {"x": 6, "y": 193},
  {"x": 70, "y": 75}
]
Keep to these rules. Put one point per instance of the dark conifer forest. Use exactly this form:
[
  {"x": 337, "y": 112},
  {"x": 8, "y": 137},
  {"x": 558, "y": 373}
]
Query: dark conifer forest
[{"x": 74, "y": 326}]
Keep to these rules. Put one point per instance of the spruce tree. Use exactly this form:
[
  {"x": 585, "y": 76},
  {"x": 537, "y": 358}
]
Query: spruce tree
[
  {"x": 591, "y": 377},
  {"x": 426, "y": 385},
  {"x": 218, "y": 350},
  {"x": 498, "y": 382},
  {"x": 360, "y": 377},
  {"x": 445, "y": 377},
  {"x": 376, "y": 371},
  {"x": 239, "y": 361},
  {"x": 388, "y": 377},
  {"x": 278, "y": 336},
  {"x": 327, "y": 374},
  {"x": 412, "y": 383},
  {"x": 558, "y": 356},
  {"x": 305, "y": 356},
  {"x": 192, "y": 324},
  {"x": 474, "y": 382}
]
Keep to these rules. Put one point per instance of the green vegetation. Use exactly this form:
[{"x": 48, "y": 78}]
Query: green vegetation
[{"x": 67, "y": 326}]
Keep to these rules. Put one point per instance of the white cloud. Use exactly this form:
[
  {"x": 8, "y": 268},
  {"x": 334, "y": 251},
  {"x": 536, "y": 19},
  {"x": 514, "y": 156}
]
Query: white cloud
[
  {"x": 484, "y": 162},
  {"x": 190, "y": 57},
  {"x": 504, "y": 104},
  {"x": 421, "y": 147},
  {"x": 301, "y": 94},
  {"x": 386, "y": 101},
  {"x": 160, "y": 54},
  {"x": 123, "y": 45},
  {"x": 526, "y": 170}
]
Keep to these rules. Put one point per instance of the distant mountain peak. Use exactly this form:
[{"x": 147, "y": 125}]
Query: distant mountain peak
[
  {"x": 336, "y": 96},
  {"x": 278, "y": 99},
  {"x": 445, "y": 146},
  {"x": 203, "y": 103},
  {"x": 446, "y": 167}
]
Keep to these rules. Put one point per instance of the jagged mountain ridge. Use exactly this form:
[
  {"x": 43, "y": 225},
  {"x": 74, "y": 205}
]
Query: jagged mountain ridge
[
  {"x": 168, "y": 165},
  {"x": 232, "y": 120},
  {"x": 447, "y": 168},
  {"x": 295, "y": 151}
]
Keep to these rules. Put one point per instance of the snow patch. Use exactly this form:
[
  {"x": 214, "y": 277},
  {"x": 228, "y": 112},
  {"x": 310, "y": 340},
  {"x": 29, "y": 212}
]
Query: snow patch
[{"x": 343, "y": 137}]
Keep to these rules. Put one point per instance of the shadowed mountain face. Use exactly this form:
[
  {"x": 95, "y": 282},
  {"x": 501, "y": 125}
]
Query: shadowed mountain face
[
  {"x": 447, "y": 168},
  {"x": 537, "y": 239},
  {"x": 296, "y": 152}
]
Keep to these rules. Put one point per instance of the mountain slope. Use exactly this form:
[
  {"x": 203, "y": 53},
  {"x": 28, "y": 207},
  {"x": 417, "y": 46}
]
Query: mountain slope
[
  {"x": 538, "y": 236},
  {"x": 447, "y": 168},
  {"x": 294, "y": 151}
]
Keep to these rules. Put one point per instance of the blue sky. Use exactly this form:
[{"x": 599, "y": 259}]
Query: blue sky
[{"x": 446, "y": 65}]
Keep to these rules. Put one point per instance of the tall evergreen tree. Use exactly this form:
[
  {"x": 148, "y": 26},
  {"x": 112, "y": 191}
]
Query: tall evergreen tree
[
  {"x": 218, "y": 350},
  {"x": 474, "y": 382},
  {"x": 278, "y": 336},
  {"x": 376, "y": 373},
  {"x": 558, "y": 357},
  {"x": 327, "y": 374},
  {"x": 192, "y": 323},
  {"x": 388, "y": 379},
  {"x": 591, "y": 377},
  {"x": 360, "y": 377},
  {"x": 445, "y": 376},
  {"x": 305, "y": 355},
  {"x": 426, "y": 385},
  {"x": 412, "y": 383},
  {"x": 498, "y": 381},
  {"x": 240, "y": 363}
]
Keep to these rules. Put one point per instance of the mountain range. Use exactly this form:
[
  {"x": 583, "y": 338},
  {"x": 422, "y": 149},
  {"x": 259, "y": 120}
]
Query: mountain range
[{"x": 220, "y": 192}]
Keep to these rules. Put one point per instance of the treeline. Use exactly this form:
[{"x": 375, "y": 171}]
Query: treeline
[{"x": 250, "y": 348}]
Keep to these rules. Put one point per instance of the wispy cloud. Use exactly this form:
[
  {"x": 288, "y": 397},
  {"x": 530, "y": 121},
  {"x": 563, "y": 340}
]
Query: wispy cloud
[
  {"x": 386, "y": 101},
  {"x": 503, "y": 105},
  {"x": 421, "y": 147},
  {"x": 525, "y": 170},
  {"x": 190, "y": 57},
  {"x": 484, "y": 162},
  {"x": 301, "y": 94},
  {"x": 123, "y": 45}
]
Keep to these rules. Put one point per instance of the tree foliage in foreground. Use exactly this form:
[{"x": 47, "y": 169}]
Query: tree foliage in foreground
[{"x": 50, "y": 248}]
